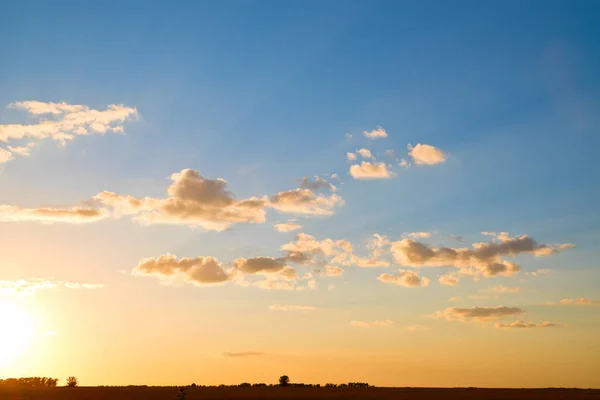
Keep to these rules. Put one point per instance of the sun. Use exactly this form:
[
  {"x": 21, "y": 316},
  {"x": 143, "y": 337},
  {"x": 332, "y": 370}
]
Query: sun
[{"x": 15, "y": 332}]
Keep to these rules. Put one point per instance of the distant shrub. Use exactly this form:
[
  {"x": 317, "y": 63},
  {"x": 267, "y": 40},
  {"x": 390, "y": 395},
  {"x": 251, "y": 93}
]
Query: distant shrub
[
  {"x": 72, "y": 381},
  {"x": 284, "y": 380}
]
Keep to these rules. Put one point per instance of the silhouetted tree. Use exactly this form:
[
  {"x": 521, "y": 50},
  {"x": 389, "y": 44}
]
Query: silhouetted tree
[
  {"x": 284, "y": 380},
  {"x": 72, "y": 381}
]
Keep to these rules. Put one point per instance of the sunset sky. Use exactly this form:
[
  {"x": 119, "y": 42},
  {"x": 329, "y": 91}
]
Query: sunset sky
[{"x": 399, "y": 193}]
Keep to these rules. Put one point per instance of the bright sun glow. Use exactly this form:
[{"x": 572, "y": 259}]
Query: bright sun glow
[{"x": 15, "y": 332}]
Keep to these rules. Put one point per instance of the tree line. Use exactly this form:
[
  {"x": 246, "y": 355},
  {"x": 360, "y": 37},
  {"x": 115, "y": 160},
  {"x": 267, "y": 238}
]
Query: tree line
[{"x": 36, "y": 382}]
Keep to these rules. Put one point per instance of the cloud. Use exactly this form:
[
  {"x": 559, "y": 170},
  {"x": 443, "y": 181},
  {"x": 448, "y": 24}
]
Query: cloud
[
  {"x": 457, "y": 238},
  {"x": 332, "y": 270},
  {"x": 519, "y": 324},
  {"x": 271, "y": 284},
  {"x": 404, "y": 278},
  {"x": 455, "y": 298},
  {"x": 351, "y": 156},
  {"x": 390, "y": 153},
  {"x": 73, "y": 215},
  {"x": 415, "y": 328},
  {"x": 480, "y": 314},
  {"x": 404, "y": 164},
  {"x": 29, "y": 287},
  {"x": 5, "y": 156},
  {"x": 193, "y": 200},
  {"x": 291, "y": 308},
  {"x": 416, "y": 235},
  {"x": 316, "y": 183},
  {"x": 449, "y": 279},
  {"x": 197, "y": 270},
  {"x": 500, "y": 289},
  {"x": 306, "y": 249},
  {"x": 312, "y": 284},
  {"x": 538, "y": 272},
  {"x": 365, "y": 153},
  {"x": 350, "y": 259},
  {"x": 287, "y": 227},
  {"x": 579, "y": 301},
  {"x": 377, "y": 133},
  {"x": 263, "y": 265},
  {"x": 425, "y": 154},
  {"x": 367, "y": 170},
  {"x": 63, "y": 122},
  {"x": 371, "y": 324},
  {"x": 482, "y": 259},
  {"x": 244, "y": 354},
  {"x": 348, "y": 136},
  {"x": 304, "y": 201},
  {"x": 75, "y": 285}
]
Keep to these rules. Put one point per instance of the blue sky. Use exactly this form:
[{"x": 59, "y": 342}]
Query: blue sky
[{"x": 261, "y": 93}]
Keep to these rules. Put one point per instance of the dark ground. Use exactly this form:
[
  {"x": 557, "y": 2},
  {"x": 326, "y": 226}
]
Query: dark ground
[{"x": 233, "y": 393}]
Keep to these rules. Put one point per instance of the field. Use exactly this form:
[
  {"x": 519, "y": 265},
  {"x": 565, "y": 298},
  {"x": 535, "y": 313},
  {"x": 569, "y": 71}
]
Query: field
[{"x": 234, "y": 393}]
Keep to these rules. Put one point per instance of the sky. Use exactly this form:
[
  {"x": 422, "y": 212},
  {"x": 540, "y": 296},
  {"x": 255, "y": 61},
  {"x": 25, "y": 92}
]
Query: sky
[{"x": 393, "y": 192}]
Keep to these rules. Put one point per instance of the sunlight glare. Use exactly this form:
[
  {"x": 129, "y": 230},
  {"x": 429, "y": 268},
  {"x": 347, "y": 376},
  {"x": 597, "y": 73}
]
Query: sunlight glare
[{"x": 15, "y": 332}]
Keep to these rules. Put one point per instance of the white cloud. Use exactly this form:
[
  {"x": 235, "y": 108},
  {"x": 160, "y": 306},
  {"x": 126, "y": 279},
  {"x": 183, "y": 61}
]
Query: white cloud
[
  {"x": 291, "y": 308},
  {"x": 5, "y": 156},
  {"x": 367, "y": 170},
  {"x": 312, "y": 284},
  {"x": 351, "y": 156},
  {"x": 416, "y": 328},
  {"x": 332, "y": 270},
  {"x": 404, "y": 278},
  {"x": 304, "y": 201},
  {"x": 404, "y": 164},
  {"x": 287, "y": 227},
  {"x": 348, "y": 136},
  {"x": 449, "y": 279},
  {"x": 364, "y": 153},
  {"x": 29, "y": 287},
  {"x": 73, "y": 215},
  {"x": 316, "y": 183},
  {"x": 63, "y": 122},
  {"x": 579, "y": 301},
  {"x": 480, "y": 314},
  {"x": 501, "y": 289},
  {"x": 455, "y": 298},
  {"x": 425, "y": 154},
  {"x": 371, "y": 324},
  {"x": 390, "y": 153},
  {"x": 519, "y": 324},
  {"x": 377, "y": 133},
  {"x": 416, "y": 235}
]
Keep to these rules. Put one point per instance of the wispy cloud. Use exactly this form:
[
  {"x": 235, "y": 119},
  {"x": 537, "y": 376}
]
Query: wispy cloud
[
  {"x": 244, "y": 354},
  {"x": 291, "y": 308},
  {"x": 519, "y": 324},
  {"x": 478, "y": 313},
  {"x": 371, "y": 324},
  {"x": 61, "y": 122},
  {"x": 29, "y": 287}
]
